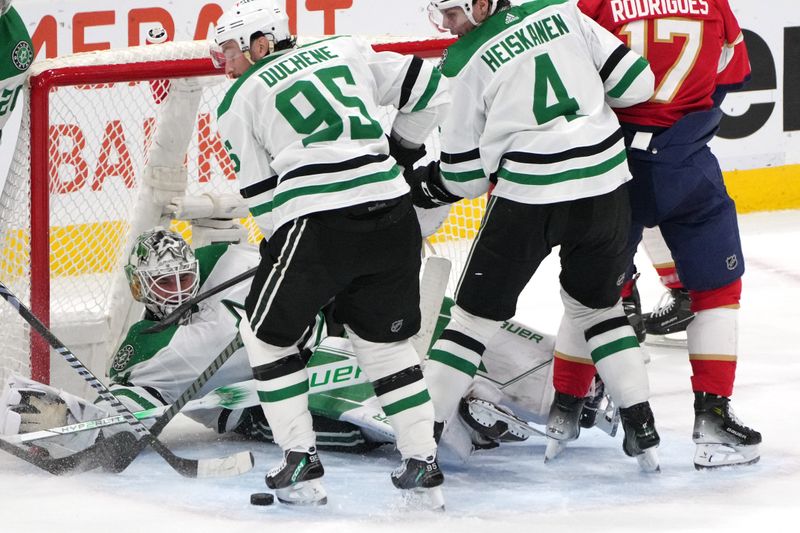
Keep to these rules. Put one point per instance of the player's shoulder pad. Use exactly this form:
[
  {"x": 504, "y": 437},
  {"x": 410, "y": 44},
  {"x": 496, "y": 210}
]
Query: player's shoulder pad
[
  {"x": 208, "y": 256},
  {"x": 459, "y": 54},
  {"x": 139, "y": 347}
]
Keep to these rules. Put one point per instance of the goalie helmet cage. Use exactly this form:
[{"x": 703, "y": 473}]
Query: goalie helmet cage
[{"x": 93, "y": 126}]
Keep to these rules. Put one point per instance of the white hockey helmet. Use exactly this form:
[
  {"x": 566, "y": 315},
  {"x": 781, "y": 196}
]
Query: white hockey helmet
[
  {"x": 247, "y": 17},
  {"x": 5, "y": 5},
  {"x": 436, "y": 7},
  {"x": 162, "y": 271}
]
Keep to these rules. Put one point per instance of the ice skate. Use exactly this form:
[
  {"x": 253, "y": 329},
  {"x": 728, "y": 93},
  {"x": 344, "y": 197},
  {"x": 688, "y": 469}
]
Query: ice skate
[
  {"x": 562, "y": 423},
  {"x": 641, "y": 438},
  {"x": 421, "y": 480},
  {"x": 633, "y": 311},
  {"x": 671, "y": 316},
  {"x": 493, "y": 422},
  {"x": 722, "y": 440},
  {"x": 599, "y": 409},
  {"x": 297, "y": 479}
]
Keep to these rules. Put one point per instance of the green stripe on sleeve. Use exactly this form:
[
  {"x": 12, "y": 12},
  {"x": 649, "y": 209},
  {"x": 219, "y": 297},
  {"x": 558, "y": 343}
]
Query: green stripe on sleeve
[
  {"x": 127, "y": 393},
  {"x": 633, "y": 72},
  {"x": 430, "y": 90},
  {"x": 463, "y": 177}
]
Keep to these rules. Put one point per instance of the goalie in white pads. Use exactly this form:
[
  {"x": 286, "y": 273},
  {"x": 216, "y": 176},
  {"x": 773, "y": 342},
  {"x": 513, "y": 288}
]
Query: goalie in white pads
[{"x": 531, "y": 87}]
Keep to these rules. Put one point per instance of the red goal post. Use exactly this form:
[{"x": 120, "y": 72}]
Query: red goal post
[{"x": 92, "y": 125}]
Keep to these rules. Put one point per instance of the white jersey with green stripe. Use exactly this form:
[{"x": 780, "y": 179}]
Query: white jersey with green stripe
[
  {"x": 302, "y": 126},
  {"x": 533, "y": 89},
  {"x": 16, "y": 55}
]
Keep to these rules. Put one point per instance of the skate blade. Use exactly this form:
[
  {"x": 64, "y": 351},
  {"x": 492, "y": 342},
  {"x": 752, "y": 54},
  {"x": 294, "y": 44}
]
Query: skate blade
[
  {"x": 670, "y": 340},
  {"x": 710, "y": 456},
  {"x": 553, "y": 449},
  {"x": 487, "y": 415},
  {"x": 608, "y": 419},
  {"x": 422, "y": 499},
  {"x": 648, "y": 460},
  {"x": 303, "y": 493}
]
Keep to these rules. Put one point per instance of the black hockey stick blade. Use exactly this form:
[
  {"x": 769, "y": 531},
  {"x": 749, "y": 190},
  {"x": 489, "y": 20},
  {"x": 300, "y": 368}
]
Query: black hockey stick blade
[
  {"x": 182, "y": 309},
  {"x": 99, "y": 454}
]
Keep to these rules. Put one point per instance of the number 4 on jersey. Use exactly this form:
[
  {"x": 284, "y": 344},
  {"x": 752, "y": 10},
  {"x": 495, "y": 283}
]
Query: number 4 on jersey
[{"x": 546, "y": 77}]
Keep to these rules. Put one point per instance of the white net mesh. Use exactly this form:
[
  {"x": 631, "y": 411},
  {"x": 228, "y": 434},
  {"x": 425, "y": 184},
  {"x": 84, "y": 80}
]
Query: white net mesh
[{"x": 101, "y": 136}]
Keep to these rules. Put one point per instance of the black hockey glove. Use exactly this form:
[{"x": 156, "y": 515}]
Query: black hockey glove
[
  {"x": 405, "y": 156},
  {"x": 427, "y": 189}
]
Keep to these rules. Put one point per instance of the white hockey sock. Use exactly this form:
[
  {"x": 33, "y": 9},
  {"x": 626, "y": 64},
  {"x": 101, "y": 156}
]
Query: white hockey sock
[
  {"x": 455, "y": 358},
  {"x": 393, "y": 368},
  {"x": 714, "y": 332},
  {"x": 614, "y": 349},
  {"x": 282, "y": 384}
]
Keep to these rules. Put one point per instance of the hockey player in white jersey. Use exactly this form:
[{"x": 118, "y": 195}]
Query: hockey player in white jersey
[
  {"x": 16, "y": 54},
  {"x": 323, "y": 183},
  {"x": 532, "y": 89}
]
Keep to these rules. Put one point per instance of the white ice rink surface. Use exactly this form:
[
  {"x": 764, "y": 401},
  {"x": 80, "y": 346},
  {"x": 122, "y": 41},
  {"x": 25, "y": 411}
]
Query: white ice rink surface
[{"x": 592, "y": 487}]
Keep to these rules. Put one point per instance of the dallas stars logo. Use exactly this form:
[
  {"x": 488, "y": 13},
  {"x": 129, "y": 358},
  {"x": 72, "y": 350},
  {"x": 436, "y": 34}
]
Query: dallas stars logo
[
  {"x": 22, "y": 56},
  {"x": 122, "y": 358}
]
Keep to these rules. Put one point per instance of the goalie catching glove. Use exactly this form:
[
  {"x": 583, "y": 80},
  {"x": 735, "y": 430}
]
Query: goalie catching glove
[{"x": 427, "y": 189}]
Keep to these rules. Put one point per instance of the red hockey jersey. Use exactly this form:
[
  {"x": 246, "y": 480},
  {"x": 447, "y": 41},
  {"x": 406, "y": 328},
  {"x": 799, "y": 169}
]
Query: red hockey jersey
[{"x": 693, "y": 46}]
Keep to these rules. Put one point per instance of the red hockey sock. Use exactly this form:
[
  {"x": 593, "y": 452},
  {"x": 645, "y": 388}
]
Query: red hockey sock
[
  {"x": 572, "y": 377},
  {"x": 713, "y": 377}
]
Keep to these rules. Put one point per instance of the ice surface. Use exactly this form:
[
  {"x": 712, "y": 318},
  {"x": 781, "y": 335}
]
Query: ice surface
[{"x": 591, "y": 487}]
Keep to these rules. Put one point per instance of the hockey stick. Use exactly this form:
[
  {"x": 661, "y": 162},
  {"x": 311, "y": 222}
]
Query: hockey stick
[
  {"x": 227, "y": 466},
  {"x": 96, "y": 455},
  {"x": 432, "y": 287},
  {"x": 181, "y": 310},
  {"x": 239, "y": 395},
  {"x": 185, "y": 467}
]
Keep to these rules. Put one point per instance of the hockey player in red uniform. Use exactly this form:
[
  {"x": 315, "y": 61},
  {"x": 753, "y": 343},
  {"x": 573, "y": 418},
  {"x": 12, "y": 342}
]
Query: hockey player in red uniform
[{"x": 697, "y": 53}]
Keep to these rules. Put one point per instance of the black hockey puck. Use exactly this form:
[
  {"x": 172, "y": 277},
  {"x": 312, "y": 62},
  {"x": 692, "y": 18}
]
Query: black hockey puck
[{"x": 262, "y": 498}]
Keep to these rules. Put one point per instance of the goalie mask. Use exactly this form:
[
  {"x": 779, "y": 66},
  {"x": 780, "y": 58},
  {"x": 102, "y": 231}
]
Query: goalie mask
[
  {"x": 246, "y": 19},
  {"x": 162, "y": 271}
]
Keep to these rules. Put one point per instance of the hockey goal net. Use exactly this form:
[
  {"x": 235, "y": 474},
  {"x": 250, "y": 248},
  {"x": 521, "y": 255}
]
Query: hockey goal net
[{"x": 92, "y": 125}]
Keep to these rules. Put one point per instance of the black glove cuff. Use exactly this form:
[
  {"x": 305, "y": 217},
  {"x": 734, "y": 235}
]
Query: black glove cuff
[
  {"x": 427, "y": 189},
  {"x": 405, "y": 157}
]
